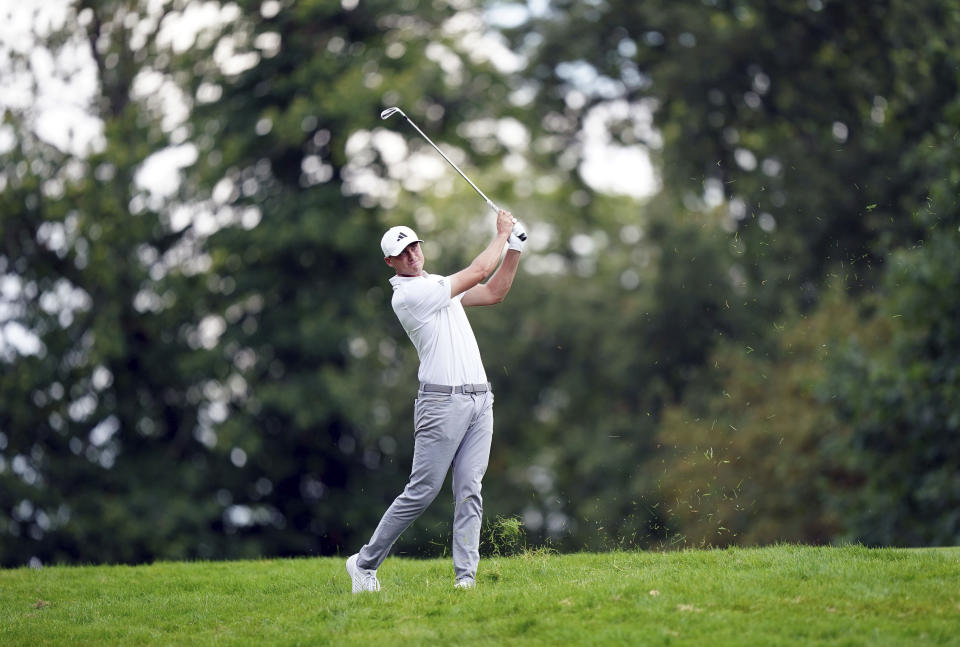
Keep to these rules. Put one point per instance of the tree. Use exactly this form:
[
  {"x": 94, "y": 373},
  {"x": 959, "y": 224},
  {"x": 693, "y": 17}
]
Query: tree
[
  {"x": 797, "y": 115},
  {"x": 99, "y": 454},
  {"x": 901, "y": 400},
  {"x": 744, "y": 459}
]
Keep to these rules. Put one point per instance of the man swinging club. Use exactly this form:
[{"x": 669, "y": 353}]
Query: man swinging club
[{"x": 453, "y": 413}]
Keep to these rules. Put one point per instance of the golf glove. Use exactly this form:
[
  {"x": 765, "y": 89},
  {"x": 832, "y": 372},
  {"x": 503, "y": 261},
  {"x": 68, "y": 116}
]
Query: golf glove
[{"x": 517, "y": 237}]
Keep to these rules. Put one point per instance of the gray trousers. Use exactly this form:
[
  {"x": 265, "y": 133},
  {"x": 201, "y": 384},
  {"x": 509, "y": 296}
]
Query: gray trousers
[{"x": 450, "y": 430}]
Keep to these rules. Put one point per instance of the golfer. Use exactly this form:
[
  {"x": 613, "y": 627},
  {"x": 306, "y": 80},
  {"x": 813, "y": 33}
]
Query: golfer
[{"x": 453, "y": 413}]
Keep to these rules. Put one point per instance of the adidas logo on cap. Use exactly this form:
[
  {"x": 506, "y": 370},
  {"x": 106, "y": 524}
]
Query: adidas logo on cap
[{"x": 396, "y": 239}]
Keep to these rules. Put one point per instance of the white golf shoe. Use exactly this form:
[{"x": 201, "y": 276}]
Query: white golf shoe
[
  {"x": 364, "y": 579},
  {"x": 465, "y": 583}
]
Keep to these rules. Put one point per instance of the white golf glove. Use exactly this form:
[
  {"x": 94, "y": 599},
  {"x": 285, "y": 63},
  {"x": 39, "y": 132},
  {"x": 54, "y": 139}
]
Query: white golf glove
[{"x": 515, "y": 241}]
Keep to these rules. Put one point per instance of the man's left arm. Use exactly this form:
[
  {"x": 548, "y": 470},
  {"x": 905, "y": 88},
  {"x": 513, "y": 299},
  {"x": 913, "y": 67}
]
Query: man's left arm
[{"x": 495, "y": 290}]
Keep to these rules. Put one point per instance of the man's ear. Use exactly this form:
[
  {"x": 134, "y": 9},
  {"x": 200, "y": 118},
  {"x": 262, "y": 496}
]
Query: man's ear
[{"x": 388, "y": 261}]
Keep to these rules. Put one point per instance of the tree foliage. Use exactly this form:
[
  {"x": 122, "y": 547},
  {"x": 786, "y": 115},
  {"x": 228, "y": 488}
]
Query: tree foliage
[
  {"x": 902, "y": 401},
  {"x": 798, "y": 115},
  {"x": 747, "y": 458},
  {"x": 101, "y": 403},
  {"x": 818, "y": 128}
]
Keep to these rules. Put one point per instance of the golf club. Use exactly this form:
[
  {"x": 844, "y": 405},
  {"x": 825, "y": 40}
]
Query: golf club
[{"x": 389, "y": 112}]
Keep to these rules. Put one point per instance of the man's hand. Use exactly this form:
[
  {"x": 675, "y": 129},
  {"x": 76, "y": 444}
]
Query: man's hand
[{"x": 505, "y": 223}]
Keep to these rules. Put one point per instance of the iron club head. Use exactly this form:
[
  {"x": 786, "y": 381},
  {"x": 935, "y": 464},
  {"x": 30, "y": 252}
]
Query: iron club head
[{"x": 389, "y": 112}]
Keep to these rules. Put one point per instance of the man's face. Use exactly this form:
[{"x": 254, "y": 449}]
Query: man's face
[{"x": 409, "y": 262}]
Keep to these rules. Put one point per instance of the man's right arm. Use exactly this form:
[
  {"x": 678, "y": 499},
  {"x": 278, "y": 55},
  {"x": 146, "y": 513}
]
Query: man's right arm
[{"x": 486, "y": 262}]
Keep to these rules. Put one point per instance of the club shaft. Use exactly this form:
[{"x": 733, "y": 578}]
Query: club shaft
[{"x": 450, "y": 161}]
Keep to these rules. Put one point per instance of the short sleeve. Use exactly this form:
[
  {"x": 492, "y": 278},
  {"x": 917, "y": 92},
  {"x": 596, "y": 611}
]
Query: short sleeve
[{"x": 422, "y": 299}]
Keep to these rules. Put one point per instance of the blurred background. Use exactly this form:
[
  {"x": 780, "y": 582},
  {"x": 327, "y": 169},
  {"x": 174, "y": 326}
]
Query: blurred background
[{"x": 737, "y": 319}]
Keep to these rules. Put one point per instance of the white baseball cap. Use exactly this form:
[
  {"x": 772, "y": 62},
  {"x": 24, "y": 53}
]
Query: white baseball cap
[{"x": 396, "y": 240}]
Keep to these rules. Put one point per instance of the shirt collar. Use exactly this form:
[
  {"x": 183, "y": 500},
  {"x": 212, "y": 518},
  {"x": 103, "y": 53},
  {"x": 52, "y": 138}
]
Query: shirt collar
[{"x": 396, "y": 279}]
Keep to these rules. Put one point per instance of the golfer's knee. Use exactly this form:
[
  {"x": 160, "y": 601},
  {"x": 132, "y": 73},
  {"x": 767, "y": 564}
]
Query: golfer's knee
[{"x": 422, "y": 493}]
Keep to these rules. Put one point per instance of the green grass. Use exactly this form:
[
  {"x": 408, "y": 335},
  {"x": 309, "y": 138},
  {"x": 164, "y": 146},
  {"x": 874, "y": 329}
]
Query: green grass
[{"x": 783, "y": 595}]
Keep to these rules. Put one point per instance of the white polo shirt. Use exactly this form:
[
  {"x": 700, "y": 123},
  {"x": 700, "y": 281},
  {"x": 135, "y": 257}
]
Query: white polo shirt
[{"x": 438, "y": 327}]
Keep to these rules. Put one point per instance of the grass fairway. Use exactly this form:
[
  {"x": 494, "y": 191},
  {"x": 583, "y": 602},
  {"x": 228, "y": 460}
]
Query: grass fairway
[{"x": 783, "y": 595}]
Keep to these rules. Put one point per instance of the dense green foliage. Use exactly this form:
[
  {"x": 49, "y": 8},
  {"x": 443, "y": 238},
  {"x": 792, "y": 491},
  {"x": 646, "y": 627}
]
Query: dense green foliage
[
  {"x": 784, "y": 595},
  {"x": 766, "y": 349},
  {"x": 743, "y": 464},
  {"x": 902, "y": 401},
  {"x": 99, "y": 456},
  {"x": 825, "y": 137}
]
